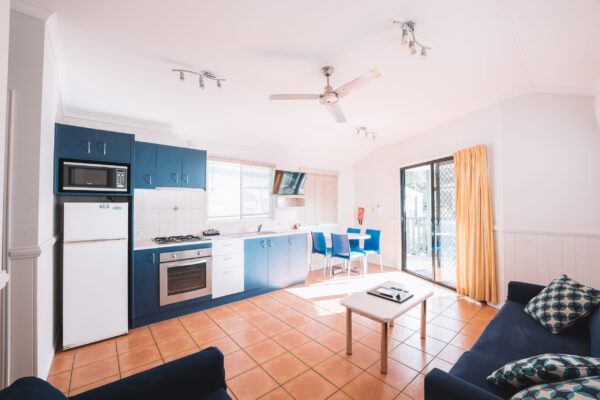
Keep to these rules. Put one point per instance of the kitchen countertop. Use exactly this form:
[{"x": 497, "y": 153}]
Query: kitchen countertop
[{"x": 145, "y": 244}]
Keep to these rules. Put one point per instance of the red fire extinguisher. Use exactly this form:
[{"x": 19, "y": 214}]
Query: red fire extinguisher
[{"x": 361, "y": 215}]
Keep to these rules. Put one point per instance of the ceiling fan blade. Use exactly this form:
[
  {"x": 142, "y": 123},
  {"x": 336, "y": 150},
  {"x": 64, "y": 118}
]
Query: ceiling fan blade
[
  {"x": 362, "y": 80},
  {"x": 336, "y": 112},
  {"x": 294, "y": 97}
]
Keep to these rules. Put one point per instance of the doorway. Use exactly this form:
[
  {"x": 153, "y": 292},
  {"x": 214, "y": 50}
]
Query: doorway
[{"x": 429, "y": 221}]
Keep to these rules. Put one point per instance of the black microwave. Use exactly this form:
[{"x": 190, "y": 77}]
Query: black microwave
[{"x": 82, "y": 176}]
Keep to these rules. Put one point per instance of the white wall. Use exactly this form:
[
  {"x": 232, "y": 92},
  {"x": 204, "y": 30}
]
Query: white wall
[{"x": 544, "y": 163}]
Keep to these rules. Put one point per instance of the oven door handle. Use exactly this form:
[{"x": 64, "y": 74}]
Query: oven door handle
[{"x": 185, "y": 263}]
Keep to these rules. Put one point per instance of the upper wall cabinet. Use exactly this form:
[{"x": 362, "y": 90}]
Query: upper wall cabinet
[
  {"x": 144, "y": 165},
  {"x": 92, "y": 144},
  {"x": 180, "y": 167}
]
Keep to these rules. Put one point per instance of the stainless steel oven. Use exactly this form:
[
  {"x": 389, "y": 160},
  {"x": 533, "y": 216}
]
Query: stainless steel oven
[
  {"x": 82, "y": 176},
  {"x": 185, "y": 275}
]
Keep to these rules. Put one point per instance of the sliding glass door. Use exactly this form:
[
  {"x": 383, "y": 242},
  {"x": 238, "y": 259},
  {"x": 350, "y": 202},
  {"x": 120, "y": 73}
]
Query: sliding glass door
[{"x": 429, "y": 221}]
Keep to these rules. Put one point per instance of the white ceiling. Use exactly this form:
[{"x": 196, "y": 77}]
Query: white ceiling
[{"x": 117, "y": 56}]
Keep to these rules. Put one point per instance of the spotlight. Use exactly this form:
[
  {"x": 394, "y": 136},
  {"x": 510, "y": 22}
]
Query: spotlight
[
  {"x": 201, "y": 81},
  {"x": 218, "y": 83},
  {"x": 405, "y": 36},
  {"x": 423, "y": 52},
  {"x": 412, "y": 47},
  {"x": 181, "y": 76}
]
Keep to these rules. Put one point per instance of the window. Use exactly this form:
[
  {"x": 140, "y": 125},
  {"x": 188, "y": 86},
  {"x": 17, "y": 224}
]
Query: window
[
  {"x": 321, "y": 198},
  {"x": 238, "y": 190}
]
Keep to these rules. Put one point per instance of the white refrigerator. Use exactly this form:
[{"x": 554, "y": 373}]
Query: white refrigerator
[{"x": 95, "y": 263}]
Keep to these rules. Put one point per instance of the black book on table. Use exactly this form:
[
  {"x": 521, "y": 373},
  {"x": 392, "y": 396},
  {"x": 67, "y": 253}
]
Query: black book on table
[{"x": 391, "y": 293}]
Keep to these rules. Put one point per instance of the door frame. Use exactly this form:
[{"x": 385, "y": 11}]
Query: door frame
[{"x": 432, "y": 220}]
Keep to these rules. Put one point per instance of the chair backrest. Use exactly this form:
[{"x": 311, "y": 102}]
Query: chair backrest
[
  {"x": 318, "y": 242},
  {"x": 354, "y": 244},
  {"x": 373, "y": 242},
  {"x": 340, "y": 246}
]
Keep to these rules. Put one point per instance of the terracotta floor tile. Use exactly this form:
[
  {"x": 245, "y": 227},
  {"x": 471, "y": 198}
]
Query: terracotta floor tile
[
  {"x": 234, "y": 325},
  {"x": 481, "y": 320},
  {"x": 63, "y": 361},
  {"x": 338, "y": 370},
  {"x": 448, "y": 323},
  {"x": 243, "y": 307},
  {"x": 284, "y": 368},
  {"x": 249, "y": 337},
  {"x": 94, "y": 385},
  {"x": 169, "y": 323},
  {"x": 169, "y": 333},
  {"x": 407, "y": 355},
  {"x": 196, "y": 321},
  {"x": 398, "y": 375},
  {"x": 463, "y": 341},
  {"x": 220, "y": 314},
  {"x": 128, "y": 343},
  {"x": 176, "y": 345},
  {"x": 295, "y": 318},
  {"x": 451, "y": 354},
  {"x": 94, "y": 352},
  {"x": 440, "y": 333},
  {"x": 251, "y": 384},
  {"x": 61, "y": 381},
  {"x": 333, "y": 321},
  {"x": 273, "y": 327},
  {"x": 313, "y": 329},
  {"x": 291, "y": 339},
  {"x": 225, "y": 344},
  {"x": 472, "y": 330},
  {"x": 138, "y": 357},
  {"x": 437, "y": 363},
  {"x": 265, "y": 351},
  {"x": 461, "y": 315},
  {"x": 208, "y": 334},
  {"x": 339, "y": 395},
  {"x": 400, "y": 333},
  {"x": 181, "y": 354},
  {"x": 125, "y": 374},
  {"x": 409, "y": 322},
  {"x": 367, "y": 387},
  {"x": 358, "y": 331},
  {"x": 310, "y": 385},
  {"x": 94, "y": 372},
  {"x": 333, "y": 340},
  {"x": 373, "y": 340},
  {"x": 416, "y": 389},
  {"x": 277, "y": 394},
  {"x": 362, "y": 355},
  {"x": 312, "y": 353},
  {"x": 429, "y": 345},
  {"x": 236, "y": 363}
]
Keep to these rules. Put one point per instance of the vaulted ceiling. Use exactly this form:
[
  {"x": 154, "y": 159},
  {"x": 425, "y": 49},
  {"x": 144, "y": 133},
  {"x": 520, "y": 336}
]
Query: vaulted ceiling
[{"x": 117, "y": 56}]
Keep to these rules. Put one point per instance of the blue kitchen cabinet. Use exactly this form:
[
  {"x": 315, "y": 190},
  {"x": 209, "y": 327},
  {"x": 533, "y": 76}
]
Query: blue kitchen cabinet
[
  {"x": 256, "y": 264},
  {"x": 144, "y": 165},
  {"x": 279, "y": 271},
  {"x": 193, "y": 168},
  {"x": 75, "y": 142},
  {"x": 145, "y": 283},
  {"x": 168, "y": 166},
  {"x": 113, "y": 147},
  {"x": 298, "y": 257}
]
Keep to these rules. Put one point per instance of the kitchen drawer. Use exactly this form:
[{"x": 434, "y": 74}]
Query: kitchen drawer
[
  {"x": 221, "y": 247},
  {"x": 227, "y": 281},
  {"x": 228, "y": 261}
]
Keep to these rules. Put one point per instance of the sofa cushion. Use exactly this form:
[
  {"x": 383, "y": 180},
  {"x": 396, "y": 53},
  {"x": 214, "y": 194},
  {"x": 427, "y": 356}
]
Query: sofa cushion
[
  {"x": 31, "y": 388},
  {"x": 508, "y": 337},
  {"x": 595, "y": 333},
  {"x": 580, "y": 388},
  {"x": 544, "y": 368},
  {"x": 562, "y": 303}
]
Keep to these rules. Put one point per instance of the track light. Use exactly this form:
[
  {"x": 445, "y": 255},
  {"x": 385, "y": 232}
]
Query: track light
[
  {"x": 408, "y": 37},
  {"x": 201, "y": 75},
  {"x": 412, "y": 47},
  {"x": 405, "y": 36},
  {"x": 423, "y": 52},
  {"x": 362, "y": 131},
  {"x": 201, "y": 81},
  {"x": 219, "y": 83},
  {"x": 181, "y": 76}
]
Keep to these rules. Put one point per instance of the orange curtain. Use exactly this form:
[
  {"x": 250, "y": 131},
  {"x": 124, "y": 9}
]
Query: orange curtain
[{"x": 475, "y": 262}]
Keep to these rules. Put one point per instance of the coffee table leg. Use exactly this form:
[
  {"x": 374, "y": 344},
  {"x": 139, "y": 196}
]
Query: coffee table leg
[
  {"x": 384, "y": 347},
  {"x": 423, "y": 319},
  {"x": 348, "y": 331}
]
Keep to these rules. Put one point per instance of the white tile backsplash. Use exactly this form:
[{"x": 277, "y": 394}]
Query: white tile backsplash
[{"x": 167, "y": 212}]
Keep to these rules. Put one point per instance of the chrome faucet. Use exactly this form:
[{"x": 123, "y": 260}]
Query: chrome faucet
[{"x": 259, "y": 228}]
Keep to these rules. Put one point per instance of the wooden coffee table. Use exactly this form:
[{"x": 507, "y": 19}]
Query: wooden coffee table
[{"x": 385, "y": 312}]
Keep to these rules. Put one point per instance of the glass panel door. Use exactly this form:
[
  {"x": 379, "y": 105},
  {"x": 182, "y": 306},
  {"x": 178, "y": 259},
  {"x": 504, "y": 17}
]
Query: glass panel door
[{"x": 429, "y": 221}]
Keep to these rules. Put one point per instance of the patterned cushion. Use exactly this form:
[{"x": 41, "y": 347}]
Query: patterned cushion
[
  {"x": 544, "y": 368},
  {"x": 574, "y": 389},
  {"x": 562, "y": 303}
]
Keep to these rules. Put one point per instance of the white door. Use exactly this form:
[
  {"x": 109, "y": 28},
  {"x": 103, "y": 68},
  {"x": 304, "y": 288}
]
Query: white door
[
  {"x": 94, "y": 291},
  {"x": 93, "y": 221}
]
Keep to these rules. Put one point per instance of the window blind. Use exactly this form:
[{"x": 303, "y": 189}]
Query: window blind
[
  {"x": 237, "y": 190},
  {"x": 321, "y": 199}
]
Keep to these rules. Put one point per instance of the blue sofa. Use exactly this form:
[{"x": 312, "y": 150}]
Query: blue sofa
[
  {"x": 511, "y": 335},
  {"x": 197, "y": 376}
]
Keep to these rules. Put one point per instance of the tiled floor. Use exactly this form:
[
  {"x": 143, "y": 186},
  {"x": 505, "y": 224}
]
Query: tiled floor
[{"x": 291, "y": 344}]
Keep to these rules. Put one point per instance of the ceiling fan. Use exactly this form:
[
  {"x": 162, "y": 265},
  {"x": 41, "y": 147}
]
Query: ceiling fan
[{"x": 331, "y": 97}]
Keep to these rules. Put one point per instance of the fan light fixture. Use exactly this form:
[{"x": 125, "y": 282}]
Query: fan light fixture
[
  {"x": 201, "y": 75},
  {"x": 409, "y": 38},
  {"x": 361, "y": 131}
]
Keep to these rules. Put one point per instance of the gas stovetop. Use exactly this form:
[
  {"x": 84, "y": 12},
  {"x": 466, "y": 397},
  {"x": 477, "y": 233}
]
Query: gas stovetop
[{"x": 176, "y": 239}]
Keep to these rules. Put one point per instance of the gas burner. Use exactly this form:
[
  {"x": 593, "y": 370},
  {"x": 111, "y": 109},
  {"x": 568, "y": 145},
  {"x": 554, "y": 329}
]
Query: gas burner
[{"x": 176, "y": 239}]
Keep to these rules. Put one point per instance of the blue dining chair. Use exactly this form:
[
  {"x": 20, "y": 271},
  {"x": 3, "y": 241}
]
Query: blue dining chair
[
  {"x": 354, "y": 243},
  {"x": 340, "y": 246},
  {"x": 372, "y": 245},
  {"x": 319, "y": 246}
]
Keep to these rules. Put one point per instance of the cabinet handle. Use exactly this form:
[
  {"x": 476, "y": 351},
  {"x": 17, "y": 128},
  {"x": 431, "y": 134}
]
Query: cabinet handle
[
  {"x": 270, "y": 242},
  {"x": 103, "y": 144},
  {"x": 148, "y": 179},
  {"x": 262, "y": 243},
  {"x": 290, "y": 241},
  {"x": 153, "y": 258},
  {"x": 185, "y": 178},
  {"x": 88, "y": 146},
  {"x": 175, "y": 177}
]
